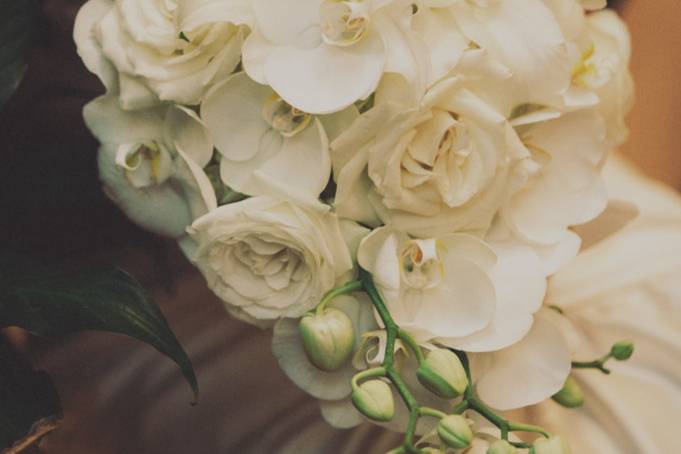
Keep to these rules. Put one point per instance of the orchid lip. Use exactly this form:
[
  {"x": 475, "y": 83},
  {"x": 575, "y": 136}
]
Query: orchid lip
[
  {"x": 283, "y": 117},
  {"x": 344, "y": 23}
]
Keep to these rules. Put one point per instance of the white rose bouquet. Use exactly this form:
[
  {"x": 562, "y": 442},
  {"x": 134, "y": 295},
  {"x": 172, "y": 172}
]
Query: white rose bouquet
[{"x": 389, "y": 184}]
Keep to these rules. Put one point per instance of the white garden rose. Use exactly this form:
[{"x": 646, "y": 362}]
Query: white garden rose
[
  {"x": 444, "y": 166},
  {"x": 267, "y": 258},
  {"x": 268, "y": 147},
  {"x": 151, "y": 163},
  {"x": 148, "y": 50},
  {"x": 321, "y": 56}
]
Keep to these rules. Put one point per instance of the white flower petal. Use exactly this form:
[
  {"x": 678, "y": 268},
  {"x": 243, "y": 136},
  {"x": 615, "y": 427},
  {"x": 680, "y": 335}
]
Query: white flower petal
[
  {"x": 232, "y": 112},
  {"x": 520, "y": 286},
  {"x": 287, "y": 21},
  {"x": 340, "y": 414},
  {"x": 326, "y": 79},
  {"x": 525, "y": 36},
  {"x": 184, "y": 128},
  {"x": 160, "y": 209},
  {"x": 88, "y": 48},
  {"x": 104, "y": 117},
  {"x": 541, "y": 359},
  {"x": 569, "y": 190}
]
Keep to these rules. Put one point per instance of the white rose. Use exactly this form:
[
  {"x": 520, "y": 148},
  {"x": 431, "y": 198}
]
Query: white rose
[
  {"x": 442, "y": 167},
  {"x": 151, "y": 163},
  {"x": 267, "y": 258},
  {"x": 147, "y": 51},
  {"x": 321, "y": 56}
]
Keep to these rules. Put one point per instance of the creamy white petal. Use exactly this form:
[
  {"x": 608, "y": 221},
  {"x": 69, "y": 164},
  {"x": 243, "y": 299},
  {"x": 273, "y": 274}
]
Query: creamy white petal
[
  {"x": 526, "y": 373},
  {"x": 160, "y": 209},
  {"x": 104, "y": 117},
  {"x": 326, "y": 79},
  {"x": 86, "y": 42}
]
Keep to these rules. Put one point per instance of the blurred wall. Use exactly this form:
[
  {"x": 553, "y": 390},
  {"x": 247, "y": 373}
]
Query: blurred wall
[{"x": 655, "y": 122}]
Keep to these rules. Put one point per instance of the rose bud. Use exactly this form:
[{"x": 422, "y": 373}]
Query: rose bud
[
  {"x": 328, "y": 338},
  {"x": 374, "y": 399},
  {"x": 571, "y": 396},
  {"x": 443, "y": 374},
  {"x": 501, "y": 447},
  {"x": 455, "y": 432}
]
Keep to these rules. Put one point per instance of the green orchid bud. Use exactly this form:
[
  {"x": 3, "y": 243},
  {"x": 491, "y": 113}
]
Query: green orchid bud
[
  {"x": 443, "y": 374},
  {"x": 622, "y": 350},
  {"x": 571, "y": 396},
  {"x": 374, "y": 399},
  {"x": 430, "y": 450},
  {"x": 455, "y": 432},
  {"x": 501, "y": 447},
  {"x": 328, "y": 338},
  {"x": 553, "y": 445}
]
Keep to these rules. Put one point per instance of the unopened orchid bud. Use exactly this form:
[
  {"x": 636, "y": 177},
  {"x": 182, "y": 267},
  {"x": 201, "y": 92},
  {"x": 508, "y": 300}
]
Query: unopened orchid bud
[
  {"x": 443, "y": 374},
  {"x": 431, "y": 450},
  {"x": 455, "y": 432},
  {"x": 571, "y": 396},
  {"x": 553, "y": 445},
  {"x": 374, "y": 399},
  {"x": 328, "y": 338},
  {"x": 501, "y": 447},
  {"x": 622, "y": 350}
]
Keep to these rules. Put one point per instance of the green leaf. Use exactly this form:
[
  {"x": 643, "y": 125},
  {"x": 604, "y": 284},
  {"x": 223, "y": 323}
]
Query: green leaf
[
  {"x": 30, "y": 406},
  {"x": 17, "y": 25},
  {"x": 55, "y": 304}
]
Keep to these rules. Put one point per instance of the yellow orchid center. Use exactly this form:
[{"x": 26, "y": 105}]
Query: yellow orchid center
[
  {"x": 585, "y": 67},
  {"x": 421, "y": 266},
  {"x": 344, "y": 23},
  {"x": 283, "y": 117}
]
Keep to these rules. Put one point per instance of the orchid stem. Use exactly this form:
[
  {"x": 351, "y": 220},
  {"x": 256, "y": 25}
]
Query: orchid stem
[
  {"x": 392, "y": 333},
  {"x": 352, "y": 286}
]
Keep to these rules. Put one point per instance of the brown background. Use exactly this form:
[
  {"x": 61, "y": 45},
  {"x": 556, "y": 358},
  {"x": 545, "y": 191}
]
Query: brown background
[{"x": 122, "y": 398}]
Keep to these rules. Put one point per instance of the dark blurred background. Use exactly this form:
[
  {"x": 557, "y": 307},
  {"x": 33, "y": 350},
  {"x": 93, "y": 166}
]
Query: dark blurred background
[{"x": 52, "y": 207}]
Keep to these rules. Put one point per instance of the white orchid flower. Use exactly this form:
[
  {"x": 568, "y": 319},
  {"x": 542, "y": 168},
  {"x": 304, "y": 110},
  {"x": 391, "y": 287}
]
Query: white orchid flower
[{"x": 151, "y": 163}]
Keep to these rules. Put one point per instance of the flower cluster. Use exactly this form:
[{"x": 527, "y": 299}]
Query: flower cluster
[{"x": 390, "y": 184}]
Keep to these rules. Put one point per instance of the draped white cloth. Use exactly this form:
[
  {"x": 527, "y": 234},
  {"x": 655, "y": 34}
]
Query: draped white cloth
[{"x": 121, "y": 397}]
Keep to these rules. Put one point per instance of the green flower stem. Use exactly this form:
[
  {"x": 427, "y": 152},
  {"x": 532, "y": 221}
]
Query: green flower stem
[
  {"x": 392, "y": 332},
  {"x": 598, "y": 364},
  {"x": 478, "y": 406},
  {"x": 352, "y": 286},
  {"x": 518, "y": 427},
  {"x": 412, "y": 344},
  {"x": 473, "y": 403},
  {"x": 370, "y": 373},
  {"x": 460, "y": 407}
]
